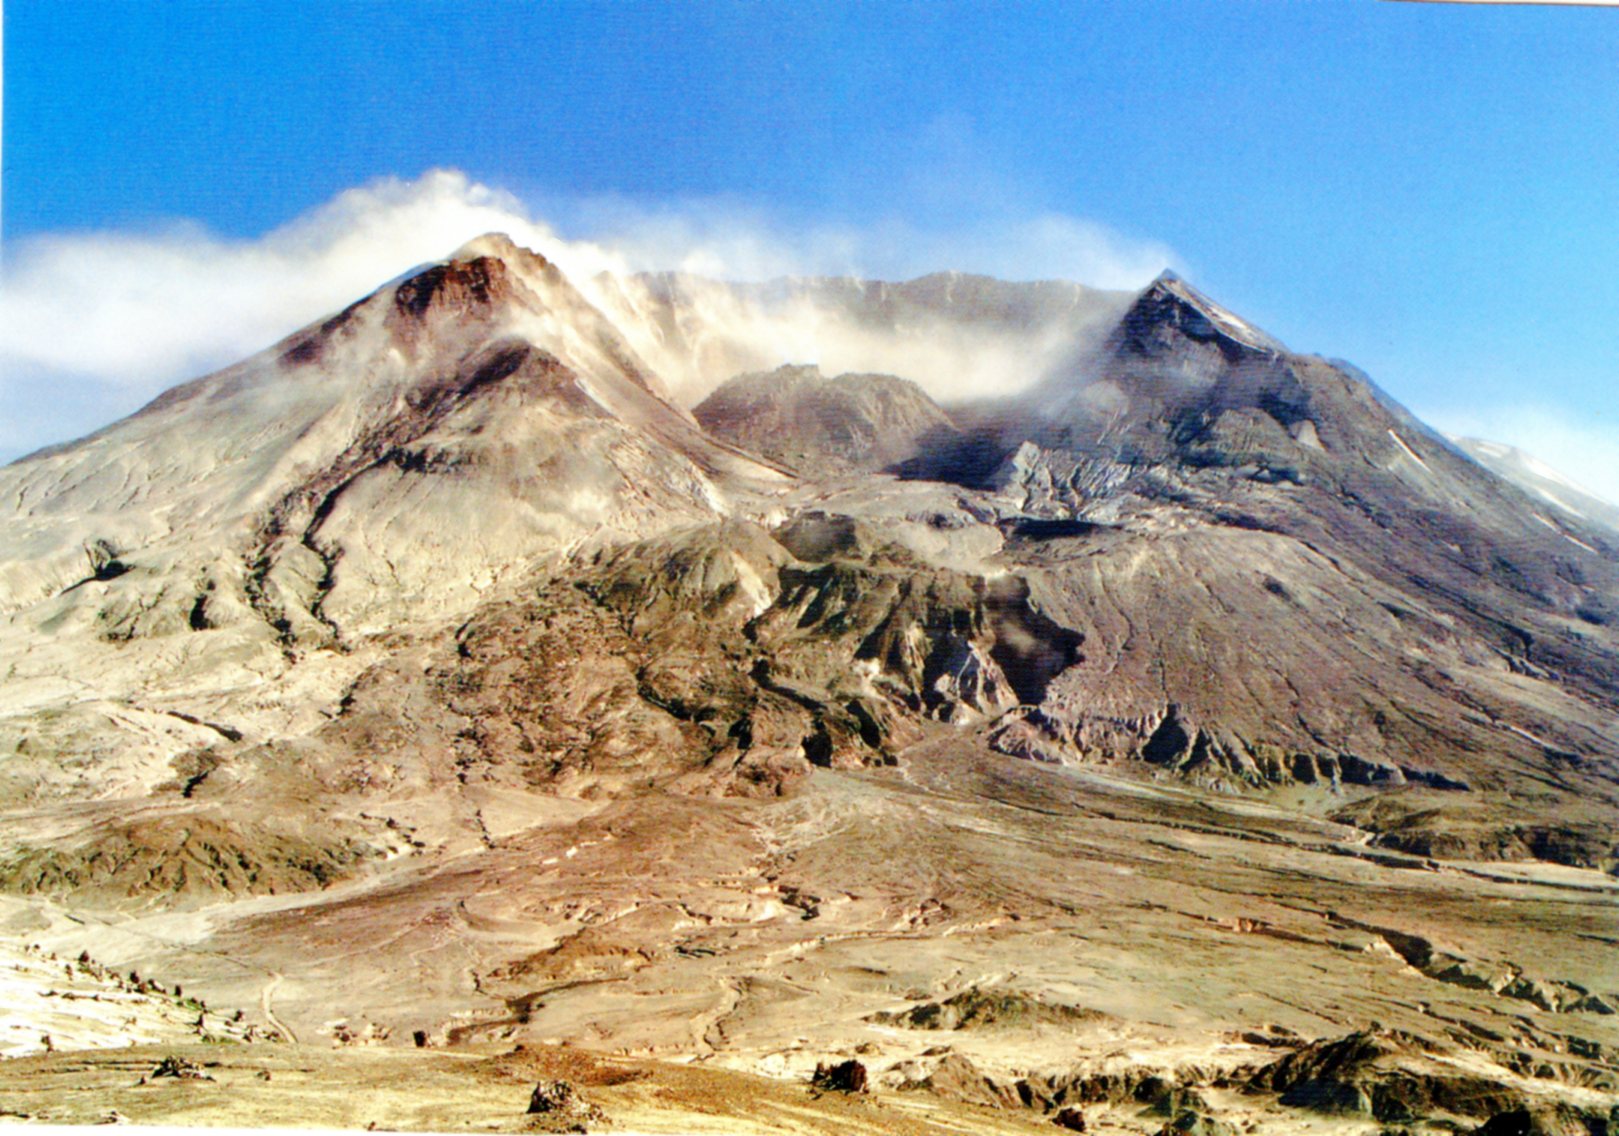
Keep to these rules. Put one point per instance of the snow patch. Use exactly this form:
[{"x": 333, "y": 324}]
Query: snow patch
[
  {"x": 1559, "y": 531},
  {"x": 1409, "y": 452},
  {"x": 1523, "y": 733},
  {"x": 1540, "y": 469},
  {"x": 1558, "y": 501},
  {"x": 1304, "y": 433}
]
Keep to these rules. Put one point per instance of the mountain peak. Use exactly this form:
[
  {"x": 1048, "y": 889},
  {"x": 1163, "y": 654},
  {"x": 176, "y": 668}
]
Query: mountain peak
[
  {"x": 1169, "y": 303},
  {"x": 479, "y": 278},
  {"x": 498, "y": 246}
]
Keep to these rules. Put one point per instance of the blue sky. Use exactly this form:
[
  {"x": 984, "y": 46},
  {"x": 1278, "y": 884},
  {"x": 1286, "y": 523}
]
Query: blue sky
[{"x": 1431, "y": 191}]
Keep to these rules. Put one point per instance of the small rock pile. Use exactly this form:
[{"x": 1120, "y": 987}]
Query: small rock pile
[
  {"x": 180, "y": 1069},
  {"x": 555, "y": 1106}
]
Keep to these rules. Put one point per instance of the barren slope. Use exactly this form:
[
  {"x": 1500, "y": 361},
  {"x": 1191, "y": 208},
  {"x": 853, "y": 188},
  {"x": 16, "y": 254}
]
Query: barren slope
[{"x": 820, "y": 425}]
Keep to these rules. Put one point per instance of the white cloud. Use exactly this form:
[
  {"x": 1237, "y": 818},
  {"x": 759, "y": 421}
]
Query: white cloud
[
  {"x": 1583, "y": 450},
  {"x": 732, "y": 241},
  {"x": 149, "y": 309}
]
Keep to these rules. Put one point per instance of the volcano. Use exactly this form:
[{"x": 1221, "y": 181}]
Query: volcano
[{"x": 1158, "y": 722}]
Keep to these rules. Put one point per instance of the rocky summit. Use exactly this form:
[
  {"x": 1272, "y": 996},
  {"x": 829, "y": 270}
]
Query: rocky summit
[{"x": 812, "y": 706}]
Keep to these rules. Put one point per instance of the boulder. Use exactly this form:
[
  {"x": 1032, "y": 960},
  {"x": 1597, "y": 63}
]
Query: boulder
[{"x": 843, "y": 1077}]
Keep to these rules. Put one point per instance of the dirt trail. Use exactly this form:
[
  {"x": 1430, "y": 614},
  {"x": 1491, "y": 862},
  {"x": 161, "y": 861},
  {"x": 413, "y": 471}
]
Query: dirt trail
[{"x": 269, "y": 1015}]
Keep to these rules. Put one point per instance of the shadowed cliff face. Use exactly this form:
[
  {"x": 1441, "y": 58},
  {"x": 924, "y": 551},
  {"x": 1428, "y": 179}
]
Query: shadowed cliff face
[{"x": 825, "y": 712}]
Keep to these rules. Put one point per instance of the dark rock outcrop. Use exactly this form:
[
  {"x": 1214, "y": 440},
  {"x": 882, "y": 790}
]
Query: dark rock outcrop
[
  {"x": 1550, "y": 1120},
  {"x": 840, "y": 1077},
  {"x": 1382, "y": 1075}
]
